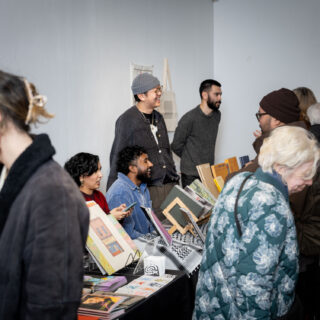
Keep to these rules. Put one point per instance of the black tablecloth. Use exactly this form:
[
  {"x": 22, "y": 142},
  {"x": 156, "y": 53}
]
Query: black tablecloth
[{"x": 174, "y": 301}]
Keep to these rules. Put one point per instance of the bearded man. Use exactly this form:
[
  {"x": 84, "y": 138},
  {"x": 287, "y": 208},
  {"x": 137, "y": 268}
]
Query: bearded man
[
  {"x": 195, "y": 137},
  {"x": 134, "y": 172}
]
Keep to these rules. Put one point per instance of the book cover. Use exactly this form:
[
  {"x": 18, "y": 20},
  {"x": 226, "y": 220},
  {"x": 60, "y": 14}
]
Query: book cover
[
  {"x": 243, "y": 160},
  {"x": 207, "y": 205},
  {"x": 108, "y": 242},
  {"x": 220, "y": 169},
  {"x": 219, "y": 183},
  {"x": 232, "y": 164},
  {"x": 100, "y": 302},
  {"x": 145, "y": 285},
  {"x": 198, "y": 187},
  {"x": 109, "y": 283},
  {"x": 196, "y": 208},
  {"x": 206, "y": 177},
  {"x": 163, "y": 233}
]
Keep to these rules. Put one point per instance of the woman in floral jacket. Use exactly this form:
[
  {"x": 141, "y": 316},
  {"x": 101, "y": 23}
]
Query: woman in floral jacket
[{"x": 250, "y": 263}]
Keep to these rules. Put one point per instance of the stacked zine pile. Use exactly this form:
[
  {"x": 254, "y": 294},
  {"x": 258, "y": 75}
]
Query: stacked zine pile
[
  {"x": 110, "y": 283},
  {"x": 102, "y": 306}
]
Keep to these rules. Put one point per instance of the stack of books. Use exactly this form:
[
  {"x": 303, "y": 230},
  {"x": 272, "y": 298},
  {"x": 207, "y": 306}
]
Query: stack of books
[
  {"x": 110, "y": 283},
  {"x": 101, "y": 306}
]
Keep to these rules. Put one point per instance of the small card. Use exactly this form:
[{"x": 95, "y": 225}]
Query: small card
[{"x": 154, "y": 265}]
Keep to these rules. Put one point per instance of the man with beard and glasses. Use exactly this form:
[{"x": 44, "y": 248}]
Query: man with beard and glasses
[
  {"x": 276, "y": 109},
  {"x": 144, "y": 126},
  {"x": 134, "y": 172},
  {"x": 195, "y": 137}
]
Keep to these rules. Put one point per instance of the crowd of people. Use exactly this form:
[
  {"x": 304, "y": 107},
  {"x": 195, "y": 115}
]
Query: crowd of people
[{"x": 261, "y": 256}]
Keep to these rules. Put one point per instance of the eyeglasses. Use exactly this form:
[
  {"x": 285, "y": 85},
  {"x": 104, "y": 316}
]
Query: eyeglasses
[
  {"x": 260, "y": 114},
  {"x": 158, "y": 90}
]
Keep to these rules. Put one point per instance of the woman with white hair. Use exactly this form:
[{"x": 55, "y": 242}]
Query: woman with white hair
[
  {"x": 43, "y": 217},
  {"x": 250, "y": 262}
]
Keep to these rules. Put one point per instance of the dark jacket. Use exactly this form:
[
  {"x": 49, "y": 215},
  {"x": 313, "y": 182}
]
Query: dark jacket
[
  {"x": 132, "y": 128},
  {"x": 305, "y": 206},
  {"x": 43, "y": 229},
  {"x": 315, "y": 129},
  {"x": 195, "y": 139}
]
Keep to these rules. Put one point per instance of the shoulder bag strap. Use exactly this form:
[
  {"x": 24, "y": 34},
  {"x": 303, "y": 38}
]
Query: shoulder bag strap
[{"x": 236, "y": 205}]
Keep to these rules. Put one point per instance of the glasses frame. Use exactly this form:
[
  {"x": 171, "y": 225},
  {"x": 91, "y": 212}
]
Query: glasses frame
[{"x": 260, "y": 114}]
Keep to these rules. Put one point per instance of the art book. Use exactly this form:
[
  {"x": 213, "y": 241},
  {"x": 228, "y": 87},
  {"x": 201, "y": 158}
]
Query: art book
[
  {"x": 219, "y": 183},
  {"x": 232, "y": 164},
  {"x": 108, "y": 242},
  {"x": 244, "y": 160},
  {"x": 179, "y": 198},
  {"x": 126, "y": 304},
  {"x": 220, "y": 169},
  {"x": 145, "y": 285},
  {"x": 206, "y": 177},
  {"x": 160, "y": 229},
  {"x": 109, "y": 283},
  {"x": 198, "y": 187},
  {"x": 100, "y": 305}
]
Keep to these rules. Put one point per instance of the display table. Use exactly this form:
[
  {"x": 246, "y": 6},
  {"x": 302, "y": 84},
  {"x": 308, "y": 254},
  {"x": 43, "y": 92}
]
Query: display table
[{"x": 174, "y": 301}]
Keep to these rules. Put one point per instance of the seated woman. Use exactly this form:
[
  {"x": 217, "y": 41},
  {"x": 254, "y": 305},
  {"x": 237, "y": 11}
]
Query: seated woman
[
  {"x": 249, "y": 267},
  {"x": 85, "y": 169}
]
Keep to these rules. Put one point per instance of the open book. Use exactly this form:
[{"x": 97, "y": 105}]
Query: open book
[{"x": 107, "y": 242}]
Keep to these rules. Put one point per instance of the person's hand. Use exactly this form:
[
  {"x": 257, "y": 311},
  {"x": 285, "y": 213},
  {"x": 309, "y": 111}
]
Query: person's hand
[
  {"x": 118, "y": 212},
  {"x": 257, "y": 133},
  {"x": 248, "y": 163}
]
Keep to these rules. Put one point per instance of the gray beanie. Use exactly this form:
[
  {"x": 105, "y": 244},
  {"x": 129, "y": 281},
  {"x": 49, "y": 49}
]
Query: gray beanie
[{"x": 143, "y": 83}]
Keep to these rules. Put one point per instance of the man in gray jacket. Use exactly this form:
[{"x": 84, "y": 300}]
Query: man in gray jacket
[{"x": 195, "y": 137}]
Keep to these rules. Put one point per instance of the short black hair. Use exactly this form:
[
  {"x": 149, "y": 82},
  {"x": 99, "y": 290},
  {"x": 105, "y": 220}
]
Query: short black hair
[
  {"x": 82, "y": 164},
  {"x": 207, "y": 84},
  {"x": 136, "y": 98},
  {"x": 126, "y": 157}
]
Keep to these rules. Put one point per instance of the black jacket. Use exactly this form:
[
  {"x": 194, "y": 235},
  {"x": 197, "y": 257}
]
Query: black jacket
[
  {"x": 132, "y": 128},
  {"x": 43, "y": 229}
]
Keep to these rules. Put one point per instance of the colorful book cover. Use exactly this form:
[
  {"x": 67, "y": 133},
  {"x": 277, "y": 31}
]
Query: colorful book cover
[
  {"x": 198, "y": 187},
  {"x": 220, "y": 169},
  {"x": 145, "y": 285},
  {"x": 197, "y": 208},
  {"x": 219, "y": 183},
  {"x": 109, "y": 283},
  {"x": 206, "y": 177},
  {"x": 108, "y": 242},
  {"x": 232, "y": 164},
  {"x": 244, "y": 160},
  {"x": 97, "y": 302},
  {"x": 163, "y": 233}
]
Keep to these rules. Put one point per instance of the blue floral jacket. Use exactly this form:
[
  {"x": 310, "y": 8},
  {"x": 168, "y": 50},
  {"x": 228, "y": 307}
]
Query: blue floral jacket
[{"x": 252, "y": 276}]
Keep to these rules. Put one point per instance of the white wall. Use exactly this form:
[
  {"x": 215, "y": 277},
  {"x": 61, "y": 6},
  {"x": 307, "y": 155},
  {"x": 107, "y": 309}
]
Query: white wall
[
  {"x": 78, "y": 53},
  {"x": 261, "y": 46}
]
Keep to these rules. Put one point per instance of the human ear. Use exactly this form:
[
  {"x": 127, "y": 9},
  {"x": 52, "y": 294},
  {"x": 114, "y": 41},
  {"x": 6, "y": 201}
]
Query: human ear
[
  {"x": 141, "y": 96},
  {"x": 133, "y": 168}
]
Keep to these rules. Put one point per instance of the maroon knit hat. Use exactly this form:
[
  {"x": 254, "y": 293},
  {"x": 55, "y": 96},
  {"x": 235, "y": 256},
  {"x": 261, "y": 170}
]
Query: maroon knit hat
[{"x": 282, "y": 105}]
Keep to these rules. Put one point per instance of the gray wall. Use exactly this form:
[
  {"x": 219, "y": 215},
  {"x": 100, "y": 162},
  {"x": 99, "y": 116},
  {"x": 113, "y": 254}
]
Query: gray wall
[
  {"x": 78, "y": 53},
  {"x": 261, "y": 46}
]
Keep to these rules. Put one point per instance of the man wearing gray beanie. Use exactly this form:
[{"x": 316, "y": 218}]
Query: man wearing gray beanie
[{"x": 142, "y": 125}]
